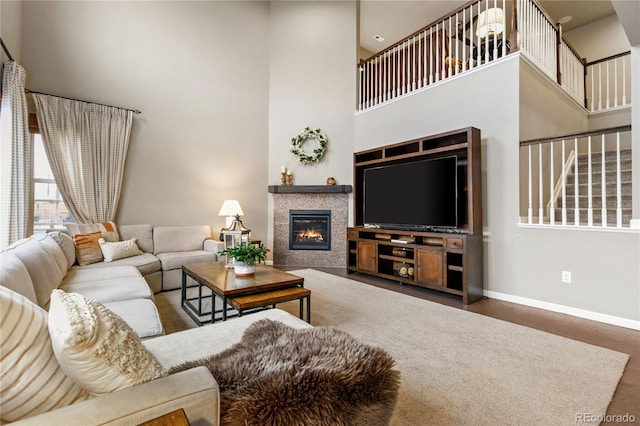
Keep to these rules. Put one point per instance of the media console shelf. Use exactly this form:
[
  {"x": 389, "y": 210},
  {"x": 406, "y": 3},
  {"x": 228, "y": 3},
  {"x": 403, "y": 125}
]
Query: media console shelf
[{"x": 449, "y": 262}]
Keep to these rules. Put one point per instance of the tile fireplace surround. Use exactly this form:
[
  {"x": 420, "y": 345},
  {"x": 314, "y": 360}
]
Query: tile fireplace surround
[{"x": 310, "y": 197}]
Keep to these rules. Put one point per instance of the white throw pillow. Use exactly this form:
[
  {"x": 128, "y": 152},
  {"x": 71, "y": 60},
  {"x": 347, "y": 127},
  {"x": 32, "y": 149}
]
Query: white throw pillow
[
  {"x": 95, "y": 347},
  {"x": 31, "y": 379},
  {"x": 119, "y": 250}
]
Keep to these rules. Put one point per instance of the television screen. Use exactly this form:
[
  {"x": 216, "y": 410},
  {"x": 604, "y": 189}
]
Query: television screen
[{"x": 418, "y": 194}]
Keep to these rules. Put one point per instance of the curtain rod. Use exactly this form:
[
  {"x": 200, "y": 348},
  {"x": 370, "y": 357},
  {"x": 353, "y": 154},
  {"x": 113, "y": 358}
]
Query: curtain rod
[
  {"x": 135, "y": 111},
  {"x": 6, "y": 50}
]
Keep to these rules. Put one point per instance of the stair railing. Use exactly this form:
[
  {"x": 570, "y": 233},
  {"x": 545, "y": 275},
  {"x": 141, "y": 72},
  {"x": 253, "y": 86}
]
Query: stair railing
[
  {"x": 608, "y": 82},
  {"x": 584, "y": 179}
]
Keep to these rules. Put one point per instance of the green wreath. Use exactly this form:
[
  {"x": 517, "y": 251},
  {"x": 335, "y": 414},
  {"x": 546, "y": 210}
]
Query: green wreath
[{"x": 298, "y": 141}]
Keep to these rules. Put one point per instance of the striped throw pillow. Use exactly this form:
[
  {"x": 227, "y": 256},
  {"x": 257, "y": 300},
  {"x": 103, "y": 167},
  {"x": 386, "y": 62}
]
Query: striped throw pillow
[
  {"x": 32, "y": 380},
  {"x": 87, "y": 248}
]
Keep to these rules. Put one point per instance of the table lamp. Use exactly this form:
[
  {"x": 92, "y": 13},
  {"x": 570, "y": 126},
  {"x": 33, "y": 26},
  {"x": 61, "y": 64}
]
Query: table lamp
[
  {"x": 490, "y": 22},
  {"x": 232, "y": 210}
]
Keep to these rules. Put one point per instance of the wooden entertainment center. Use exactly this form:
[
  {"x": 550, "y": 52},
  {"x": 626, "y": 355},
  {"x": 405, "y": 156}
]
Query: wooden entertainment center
[{"x": 448, "y": 260}]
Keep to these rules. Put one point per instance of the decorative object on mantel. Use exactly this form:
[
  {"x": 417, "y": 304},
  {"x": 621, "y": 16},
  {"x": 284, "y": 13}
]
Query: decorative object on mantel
[
  {"x": 286, "y": 177},
  {"x": 298, "y": 141},
  {"x": 331, "y": 180},
  {"x": 283, "y": 176},
  {"x": 245, "y": 257}
]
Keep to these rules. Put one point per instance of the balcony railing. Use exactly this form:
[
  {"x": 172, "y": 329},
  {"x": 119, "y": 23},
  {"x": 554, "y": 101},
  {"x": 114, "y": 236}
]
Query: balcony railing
[
  {"x": 454, "y": 45},
  {"x": 609, "y": 82},
  {"x": 580, "y": 180}
]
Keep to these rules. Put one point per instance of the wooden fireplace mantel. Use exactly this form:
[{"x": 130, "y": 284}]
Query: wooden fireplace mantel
[{"x": 310, "y": 189}]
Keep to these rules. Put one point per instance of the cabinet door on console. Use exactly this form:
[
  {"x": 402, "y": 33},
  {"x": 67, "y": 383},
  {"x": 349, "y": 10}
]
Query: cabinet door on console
[
  {"x": 367, "y": 256},
  {"x": 429, "y": 266}
]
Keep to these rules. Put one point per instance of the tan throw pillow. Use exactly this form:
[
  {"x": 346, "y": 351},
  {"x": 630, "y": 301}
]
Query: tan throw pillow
[
  {"x": 96, "y": 348},
  {"x": 87, "y": 248},
  {"x": 119, "y": 250},
  {"x": 32, "y": 381}
]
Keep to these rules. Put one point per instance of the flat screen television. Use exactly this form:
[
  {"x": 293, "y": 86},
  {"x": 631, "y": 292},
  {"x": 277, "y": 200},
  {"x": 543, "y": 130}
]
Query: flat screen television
[{"x": 421, "y": 194}]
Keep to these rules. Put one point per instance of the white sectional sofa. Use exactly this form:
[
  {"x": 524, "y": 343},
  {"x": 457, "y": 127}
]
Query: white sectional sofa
[
  {"x": 32, "y": 268},
  {"x": 165, "y": 249}
]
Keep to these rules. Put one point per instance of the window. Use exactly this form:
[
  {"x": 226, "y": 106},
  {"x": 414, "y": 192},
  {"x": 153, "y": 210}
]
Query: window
[{"x": 49, "y": 211}]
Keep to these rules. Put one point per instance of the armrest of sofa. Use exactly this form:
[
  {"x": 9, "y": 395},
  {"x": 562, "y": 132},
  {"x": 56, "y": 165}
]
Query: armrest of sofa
[
  {"x": 194, "y": 390},
  {"x": 213, "y": 246}
]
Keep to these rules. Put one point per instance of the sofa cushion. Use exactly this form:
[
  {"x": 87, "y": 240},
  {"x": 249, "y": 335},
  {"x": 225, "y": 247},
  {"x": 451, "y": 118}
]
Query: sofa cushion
[
  {"x": 197, "y": 343},
  {"x": 119, "y": 250},
  {"x": 96, "y": 348},
  {"x": 175, "y": 260},
  {"x": 144, "y": 234},
  {"x": 141, "y": 314},
  {"x": 111, "y": 289},
  {"x": 67, "y": 245},
  {"x": 45, "y": 261},
  {"x": 81, "y": 274},
  {"x": 179, "y": 238},
  {"x": 108, "y": 229},
  {"x": 146, "y": 263},
  {"x": 87, "y": 248},
  {"x": 14, "y": 276},
  {"x": 32, "y": 380}
]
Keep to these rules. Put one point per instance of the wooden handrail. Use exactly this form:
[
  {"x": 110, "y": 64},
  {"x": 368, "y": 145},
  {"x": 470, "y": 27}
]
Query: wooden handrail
[
  {"x": 415, "y": 33},
  {"x": 577, "y": 135},
  {"x": 619, "y": 55}
]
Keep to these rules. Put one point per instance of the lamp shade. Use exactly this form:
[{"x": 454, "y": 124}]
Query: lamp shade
[
  {"x": 490, "y": 22},
  {"x": 231, "y": 208}
]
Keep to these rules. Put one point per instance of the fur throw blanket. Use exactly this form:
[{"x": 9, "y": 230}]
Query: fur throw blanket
[{"x": 278, "y": 375}]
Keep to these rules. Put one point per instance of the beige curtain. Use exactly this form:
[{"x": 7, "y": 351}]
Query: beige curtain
[
  {"x": 15, "y": 157},
  {"x": 86, "y": 145}
]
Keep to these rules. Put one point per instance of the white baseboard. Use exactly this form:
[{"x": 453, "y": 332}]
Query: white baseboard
[
  {"x": 268, "y": 262},
  {"x": 576, "y": 312}
]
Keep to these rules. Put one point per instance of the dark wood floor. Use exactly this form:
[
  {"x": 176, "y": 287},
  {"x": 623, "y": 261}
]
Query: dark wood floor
[{"x": 626, "y": 399}]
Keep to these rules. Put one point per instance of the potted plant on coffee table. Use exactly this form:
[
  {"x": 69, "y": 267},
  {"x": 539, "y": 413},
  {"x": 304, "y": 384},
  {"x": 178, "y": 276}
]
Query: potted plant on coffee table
[{"x": 245, "y": 257}]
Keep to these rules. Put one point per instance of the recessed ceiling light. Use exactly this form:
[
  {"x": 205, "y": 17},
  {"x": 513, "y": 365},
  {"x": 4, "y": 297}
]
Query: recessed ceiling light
[{"x": 378, "y": 38}]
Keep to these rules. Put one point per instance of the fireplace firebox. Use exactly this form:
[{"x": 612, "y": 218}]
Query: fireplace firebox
[{"x": 309, "y": 229}]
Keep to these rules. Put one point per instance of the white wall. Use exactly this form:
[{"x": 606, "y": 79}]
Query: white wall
[
  {"x": 485, "y": 99},
  {"x": 599, "y": 39},
  {"x": 520, "y": 264},
  {"x": 198, "y": 71},
  {"x": 10, "y": 29},
  {"x": 312, "y": 82}
]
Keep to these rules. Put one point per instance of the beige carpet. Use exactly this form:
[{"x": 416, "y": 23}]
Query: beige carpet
[{"x": 457, "y": 367}]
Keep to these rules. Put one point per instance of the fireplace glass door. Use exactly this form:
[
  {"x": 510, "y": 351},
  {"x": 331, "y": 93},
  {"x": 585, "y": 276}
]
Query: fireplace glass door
[{"x": 309, "y": 230}]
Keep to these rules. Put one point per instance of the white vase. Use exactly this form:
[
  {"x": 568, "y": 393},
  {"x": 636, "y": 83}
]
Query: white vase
[{"x": 243, "y": 269}]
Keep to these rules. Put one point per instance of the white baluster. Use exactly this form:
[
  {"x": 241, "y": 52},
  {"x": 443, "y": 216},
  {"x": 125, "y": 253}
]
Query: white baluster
[
  {"x": 530, "y": 195},
  {"x": 413, "y": 63},
  {"x": 615, "y": 82},
  {"x": 564, "y": 186},
  {"x": 589, "y": 185},
  {"x": 540, "y": 191},
  {"x": 624, "y": 81},
  {"x": 504, "y": 36},
  {"x": 604, "y": 187},
  {"x": 576, "y": 204},
  {"x": 443, "y": 74},
  {"x": 478, "y": 56},
  {"x": 599, "y": 86},
  {"x": 618, "y": 184},
  {"x": 464, "y": 39},
  {"x": 419, "y": 61},
  {"x": 593, "y": 93},
  {"x": 552, "y": 208},
  {"x": 608, "y": 83},
  {"x": 431, "y": 55}
]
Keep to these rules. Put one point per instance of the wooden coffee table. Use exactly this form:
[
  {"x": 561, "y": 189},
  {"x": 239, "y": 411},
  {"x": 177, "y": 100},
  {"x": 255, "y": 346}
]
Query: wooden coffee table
[{"x": 224, "y": 284}]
